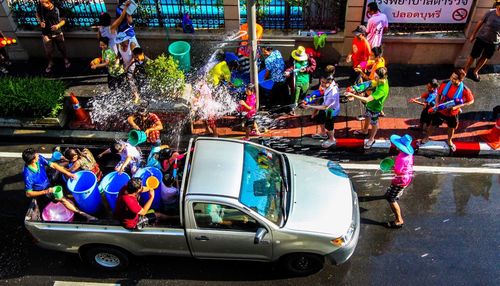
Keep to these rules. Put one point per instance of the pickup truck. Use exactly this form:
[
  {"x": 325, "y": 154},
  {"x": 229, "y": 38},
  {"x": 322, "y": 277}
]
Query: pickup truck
[{"x": 238, "y": 200}]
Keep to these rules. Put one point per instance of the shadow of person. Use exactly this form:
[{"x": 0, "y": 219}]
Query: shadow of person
[
  {"x": 372, "y": 222},
  {"x": 371, "y": 198}
]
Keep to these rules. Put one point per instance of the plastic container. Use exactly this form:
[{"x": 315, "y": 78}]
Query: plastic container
[
  {"x": 85, "y": 191},
  {"x": 58, "y": 192},
  {"x": 57, "y": 212},
  {"x": 111, "y": 185},
  {"x": 136, "y": 137},
  {"x": 387, "y": 164},
  {"x": 265, "y": 84},
  {"x": 152, "y": 182},
  {"x": 144, "y": 174},
  {"x": 180, "y": 52}
]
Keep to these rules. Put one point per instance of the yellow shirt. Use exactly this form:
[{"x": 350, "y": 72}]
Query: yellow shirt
[
  {"x": 220, "y": 72},
  {"x": 375, "y": 66}
]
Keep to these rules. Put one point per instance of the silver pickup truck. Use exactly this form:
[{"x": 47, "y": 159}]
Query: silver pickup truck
[{"x": 238, "y": 200}]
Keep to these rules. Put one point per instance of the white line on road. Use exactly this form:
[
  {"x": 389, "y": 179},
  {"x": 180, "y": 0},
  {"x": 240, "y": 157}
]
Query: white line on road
[
  {"x": 72, "y": 283},
  {"x": 350, "y": 166},
  {"x": 428, "y": 169}
]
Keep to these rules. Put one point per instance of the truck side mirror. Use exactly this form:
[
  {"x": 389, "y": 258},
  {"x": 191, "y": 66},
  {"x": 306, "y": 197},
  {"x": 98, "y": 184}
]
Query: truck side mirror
[{"x": 259, "y": 235}]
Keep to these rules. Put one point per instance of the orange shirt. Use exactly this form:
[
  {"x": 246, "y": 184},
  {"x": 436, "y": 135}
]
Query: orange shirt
[{"x": 360, "y": 51}]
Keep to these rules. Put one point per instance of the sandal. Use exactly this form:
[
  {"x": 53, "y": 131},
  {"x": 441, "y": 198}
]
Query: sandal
[
  {"x": 359, "y": 133},
  {"x": 49, "y": 69},
  {"x": 452, "y": 146},
  {"x": 393, "y": 225},
  {"x": 368, "y": 145},
  {"x": 319, "y": 136},
  {"x": 328, "y": 143}
]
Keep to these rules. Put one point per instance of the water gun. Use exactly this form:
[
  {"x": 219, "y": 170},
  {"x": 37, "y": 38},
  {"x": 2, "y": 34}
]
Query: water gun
[
  {"x": 446, "y": 105},
  {"x": 360, "y": 87},
  {"x": 7, "y": 42},
  {"x": 96, "y": 61},
  {"x": 313, "y": 97},
  {"x": 174, "y": 174}
]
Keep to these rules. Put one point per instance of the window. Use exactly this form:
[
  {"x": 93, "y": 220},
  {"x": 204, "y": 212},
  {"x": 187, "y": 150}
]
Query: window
[
  {"x": 217, "y": 216},
  {"x": 77, "y": 13}
]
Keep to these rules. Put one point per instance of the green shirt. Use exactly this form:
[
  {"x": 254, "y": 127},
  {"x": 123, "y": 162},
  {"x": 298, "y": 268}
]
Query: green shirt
[
  {"x": 380, "y": 95},
  {"x": 301, "y": 77},
  {"x": 114, "y": 67}
]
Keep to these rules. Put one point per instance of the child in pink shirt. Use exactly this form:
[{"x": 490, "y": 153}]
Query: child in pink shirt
[{"x": 248, "y": 106}]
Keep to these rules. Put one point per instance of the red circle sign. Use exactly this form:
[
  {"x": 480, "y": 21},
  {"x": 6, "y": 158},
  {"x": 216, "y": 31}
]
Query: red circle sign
[{"x": 460, "y": 14}]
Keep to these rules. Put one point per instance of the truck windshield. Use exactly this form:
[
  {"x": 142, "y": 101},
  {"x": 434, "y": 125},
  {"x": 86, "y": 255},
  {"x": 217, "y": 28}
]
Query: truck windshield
[{"x": 262, "y": 185}]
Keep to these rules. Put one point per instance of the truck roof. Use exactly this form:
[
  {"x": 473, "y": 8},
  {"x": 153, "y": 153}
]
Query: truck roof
[{"x": 216, "y": 168}]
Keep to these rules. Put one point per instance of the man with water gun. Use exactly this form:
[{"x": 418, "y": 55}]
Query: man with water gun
[{"x": 452, "y": 96}]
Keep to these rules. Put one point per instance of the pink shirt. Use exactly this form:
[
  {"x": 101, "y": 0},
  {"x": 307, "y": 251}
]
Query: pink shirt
[
  {"x": 251, "y": 100},
  {"x": 375, "y": 29},
  {"x": 403, "y": 169}
]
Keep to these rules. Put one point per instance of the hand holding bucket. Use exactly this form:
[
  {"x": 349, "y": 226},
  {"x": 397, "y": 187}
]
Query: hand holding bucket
[
  {"x": 58, "y": 192},
  {"x": 387, "y": 165},
  {"x": 136, "y": 137}
]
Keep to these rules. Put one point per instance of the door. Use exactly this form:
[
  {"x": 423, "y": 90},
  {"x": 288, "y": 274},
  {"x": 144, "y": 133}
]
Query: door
[{"x": 222, "y": 231}]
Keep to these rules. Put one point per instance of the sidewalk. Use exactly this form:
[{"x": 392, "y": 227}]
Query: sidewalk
[{"x": 405, "y": 82}]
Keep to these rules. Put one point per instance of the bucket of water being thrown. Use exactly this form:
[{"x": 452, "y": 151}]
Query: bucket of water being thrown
[{"x": 180, "y": 51}]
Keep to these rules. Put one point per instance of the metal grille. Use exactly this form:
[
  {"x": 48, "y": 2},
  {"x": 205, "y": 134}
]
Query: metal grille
[
  {"x": 405, "y": 28},
  {"x": 77, "y": 13},
  {"x": 205, "y": 14},
  {"x": 280, "y": 14}
]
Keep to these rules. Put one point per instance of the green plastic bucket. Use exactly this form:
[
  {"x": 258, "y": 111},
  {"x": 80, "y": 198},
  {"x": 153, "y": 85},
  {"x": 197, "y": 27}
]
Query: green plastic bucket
[
  {"x": 58, "y": 192},
  {"x": 180, "y": 52},
  {"x": 136, "y": 137},
  {"x": 387, "y": 164}
]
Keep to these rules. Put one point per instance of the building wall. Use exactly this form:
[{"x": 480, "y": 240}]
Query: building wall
[{"x": 404, "y": 50}]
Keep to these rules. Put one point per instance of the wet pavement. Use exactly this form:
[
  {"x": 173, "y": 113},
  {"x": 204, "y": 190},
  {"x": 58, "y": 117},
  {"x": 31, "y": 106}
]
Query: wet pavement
[{"x": 450, "y": 236}]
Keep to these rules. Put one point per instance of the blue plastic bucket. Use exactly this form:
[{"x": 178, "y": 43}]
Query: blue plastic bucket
[
  {"x": 180, "y": 52},
  {"x": 85, "y": 191},
  {"x": 136, "y": 137},
  {"x": 265, "y": 84},
  {"x": 111, "y": 185},
  {"x": 144, "y": 174}
]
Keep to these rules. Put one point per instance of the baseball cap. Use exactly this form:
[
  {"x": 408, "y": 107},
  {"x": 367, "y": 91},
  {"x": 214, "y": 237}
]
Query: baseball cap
[{"x": 361, "y": 29}]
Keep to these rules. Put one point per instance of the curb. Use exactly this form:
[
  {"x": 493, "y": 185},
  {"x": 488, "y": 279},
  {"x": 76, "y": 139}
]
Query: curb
[{"x": 381, "y": 146}]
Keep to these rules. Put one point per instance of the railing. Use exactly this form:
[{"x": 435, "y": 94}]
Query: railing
[
  {"x": 317, "y": 14},
  {"x": 205, "y": 14},
  {"x": 77, "y": 13}
]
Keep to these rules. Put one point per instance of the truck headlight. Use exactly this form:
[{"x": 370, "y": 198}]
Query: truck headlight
[{"x": 344, "y": 239}]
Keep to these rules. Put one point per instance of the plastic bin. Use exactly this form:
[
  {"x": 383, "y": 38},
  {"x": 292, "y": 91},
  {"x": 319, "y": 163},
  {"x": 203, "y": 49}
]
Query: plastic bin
[
  {"x": 144, "y": 174},
  {"x": 180, "y": 51},
  {"x": 136, "y": 137},
  {"x": 265, "y": 84},
  {"x": 387, "y": 165},
  {"x": 111, "y": 185},
  {"x": 57, "y": 212},
  {"x": 85, "y": 191}
]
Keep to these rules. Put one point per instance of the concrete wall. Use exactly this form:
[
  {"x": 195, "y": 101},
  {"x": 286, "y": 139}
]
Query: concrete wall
[{"x": 405, "y": 50}]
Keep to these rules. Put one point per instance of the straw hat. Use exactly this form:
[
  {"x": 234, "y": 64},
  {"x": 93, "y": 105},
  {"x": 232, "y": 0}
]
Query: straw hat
[
  {"x": 403, "y": 143},
  {"x": 299, "y": 54}
]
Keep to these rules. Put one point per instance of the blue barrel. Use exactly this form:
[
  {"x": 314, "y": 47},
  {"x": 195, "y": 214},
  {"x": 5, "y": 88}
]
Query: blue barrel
[
  {"x": 111, "y": 185},
  {"x": 85, "y": 191},
  {"x": 144, "y": 174},
  {"x": 180, "y": 52}
]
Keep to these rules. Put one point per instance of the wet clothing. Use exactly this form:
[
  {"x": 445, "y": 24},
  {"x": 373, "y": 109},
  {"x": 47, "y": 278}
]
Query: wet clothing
[
  {"x": 106, "y": 32},
  {"x": 430, "y": 101},
  {"x": 250, "y": 101},
  {"x": 126, "y": 54},
  {"x": 394, "y": 192},
  {"x": 88, "y": 162},
  {"x": 403, "y": 170},
  {"x": 375, "y": 29},
  {"x": 380, "y": 95},
  {"x": 152, "y": 119},
  {"x": 220, "y": 72},
  {"x": 127, "y": 210},
  {"x": 133, "y": 152},
  {"x": 115, "y": 69},
  {"x": 50, "y": 17},
  {"x": 276, "y": 66},
  {"x": 439, "y": 118},
  {"x": 36, "y": 179},
  {"x": 375, "y": 66},
  {"x": 124, "y": 26},
  {"x": 483, "y": 49}
]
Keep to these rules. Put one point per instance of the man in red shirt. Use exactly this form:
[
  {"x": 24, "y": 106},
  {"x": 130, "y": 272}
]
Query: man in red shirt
[
  {"x": 128, "y": 210},
  {"x": 148, "y": 122},
  {"x": 448, "y": 91},
  {"x": 361, "y": 50}
]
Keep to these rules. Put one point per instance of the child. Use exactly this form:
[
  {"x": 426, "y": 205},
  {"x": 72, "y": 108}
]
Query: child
[
  {"x": 375, "y": 62},
  {"x": 403, "y": 175},
  {"x": 138, "y": 70},
  {"x": 327, "y": 111},
  {"x": 130, "y": 157},
  {"x": 248, "y": 106},
  {"x": 429, "y": 98},
  {"x": 170, "y": 193},
  {"x": 116, "y": 72}
]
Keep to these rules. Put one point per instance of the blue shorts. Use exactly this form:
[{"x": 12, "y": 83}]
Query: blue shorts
[{"x": 373, "y": 116}]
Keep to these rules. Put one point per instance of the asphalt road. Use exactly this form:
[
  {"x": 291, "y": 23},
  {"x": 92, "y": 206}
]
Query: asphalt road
[{"x": 451, "y": 236}]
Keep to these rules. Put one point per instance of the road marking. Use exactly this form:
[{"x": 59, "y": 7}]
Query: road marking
[
  {"x": 72, "y": 283},
  {"x": 428, "y": 169}
]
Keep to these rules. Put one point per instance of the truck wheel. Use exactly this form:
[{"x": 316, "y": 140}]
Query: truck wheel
[
  {"x": 106, "y": 258},
  {"x": 302, "y": 264}
]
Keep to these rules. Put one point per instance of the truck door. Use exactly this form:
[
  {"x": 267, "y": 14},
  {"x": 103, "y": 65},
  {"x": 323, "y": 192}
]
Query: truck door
[{"x": 221, "y": 231}]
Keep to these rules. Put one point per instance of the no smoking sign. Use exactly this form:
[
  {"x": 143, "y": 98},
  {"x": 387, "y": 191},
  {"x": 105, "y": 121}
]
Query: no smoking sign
[{"x": 459, "y": 14}]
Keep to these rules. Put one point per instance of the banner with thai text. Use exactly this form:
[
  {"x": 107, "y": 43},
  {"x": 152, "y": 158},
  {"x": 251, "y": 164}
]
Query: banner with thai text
[{"x": 424, "y": 11}]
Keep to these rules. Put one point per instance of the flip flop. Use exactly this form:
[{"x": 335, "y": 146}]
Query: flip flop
[
  {"x": 49, "y": 69},
  {"x": 357, "y": 132},
  {"x": 453, "y": 148},
  {"x": 368, "y": 146},
  {"x": 393, "y": 225}
]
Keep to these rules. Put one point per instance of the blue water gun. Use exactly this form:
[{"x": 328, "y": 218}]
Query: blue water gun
[
  {"x": 360, "y": 87},
  {"x": 312, "y": 97},
  {"x": 446, "y": 105}
]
